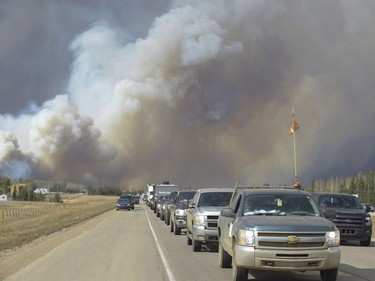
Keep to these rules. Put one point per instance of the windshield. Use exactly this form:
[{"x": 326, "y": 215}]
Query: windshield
[
  {"x": 279, "y": 204},
  {"x": 186, "y": 196},
  {"x": 214, "y": 199},
  {"x": 339, "y": 201}
]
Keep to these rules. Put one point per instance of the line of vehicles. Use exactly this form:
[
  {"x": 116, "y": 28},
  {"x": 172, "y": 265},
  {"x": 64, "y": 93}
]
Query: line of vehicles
[{"x": 264, "y": 228}]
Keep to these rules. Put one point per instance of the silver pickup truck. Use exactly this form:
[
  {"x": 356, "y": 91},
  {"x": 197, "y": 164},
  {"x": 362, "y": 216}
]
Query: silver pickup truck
[
  {"x": 202, "y": 215},
  {"x": 277, "y": 229}
]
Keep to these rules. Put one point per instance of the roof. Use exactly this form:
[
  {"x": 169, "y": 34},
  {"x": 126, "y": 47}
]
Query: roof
[
  {"x": 275, "y": 191},
  {"x": 215, "y": 189}
]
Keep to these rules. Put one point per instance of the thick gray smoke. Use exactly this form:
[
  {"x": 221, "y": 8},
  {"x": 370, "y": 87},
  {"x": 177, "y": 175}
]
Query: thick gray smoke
[{"x": 205, "y": 98}]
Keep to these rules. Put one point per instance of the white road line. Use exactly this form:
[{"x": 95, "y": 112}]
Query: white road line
[{"x": 165, "y": 262}]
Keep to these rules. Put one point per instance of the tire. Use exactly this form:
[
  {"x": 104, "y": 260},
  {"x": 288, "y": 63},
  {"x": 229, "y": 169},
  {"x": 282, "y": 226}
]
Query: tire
[
  {"x": 177, "y": 230},
  {"x": 171, "y": 227},
  {"x": 197, "y": 245},
  {"x": 161, "y": 217},
  {"x": 168, "y": 221},
  {"x": 225, "y": 260},
  {"x": 129, "y": 209},
  {"x": 366, "y": 242},
  {"x": 157, "y": 215},
  {"x": 328, "y": 274},
  {"x": 239, "y": 273},
  {"x": 188, "y": 239}
]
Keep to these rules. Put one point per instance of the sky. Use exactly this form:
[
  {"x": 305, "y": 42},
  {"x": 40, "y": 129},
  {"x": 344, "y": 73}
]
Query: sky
[{"x": 199, "y": 93}]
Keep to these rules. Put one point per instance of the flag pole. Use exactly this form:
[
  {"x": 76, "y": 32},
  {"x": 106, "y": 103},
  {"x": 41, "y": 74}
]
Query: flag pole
[{"x": 293, "y": 130}]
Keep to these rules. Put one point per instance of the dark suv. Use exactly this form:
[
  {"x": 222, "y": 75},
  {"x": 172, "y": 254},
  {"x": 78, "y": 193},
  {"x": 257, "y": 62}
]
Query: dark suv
[
  {"x": 348, "y": 215},
  {"x": 130, "y": 198}
]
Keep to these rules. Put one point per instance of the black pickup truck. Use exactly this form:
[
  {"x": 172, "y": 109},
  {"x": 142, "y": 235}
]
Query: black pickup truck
[{"x": 347, "y": 213}]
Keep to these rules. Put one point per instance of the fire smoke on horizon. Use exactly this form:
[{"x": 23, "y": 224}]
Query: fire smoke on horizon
[{"x": 204, "y": 97}]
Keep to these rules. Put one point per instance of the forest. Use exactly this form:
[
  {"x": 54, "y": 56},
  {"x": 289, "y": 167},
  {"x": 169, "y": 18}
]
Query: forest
[{"x": 362, "y": 185}]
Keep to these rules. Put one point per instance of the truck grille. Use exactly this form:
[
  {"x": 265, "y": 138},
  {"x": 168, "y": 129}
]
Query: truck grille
[
  {"x": 212, "y": 221},
  {"x": 287, "y": 245},
  {"x": 348, "y": 221},
  {"x": 290, "y": 240}
]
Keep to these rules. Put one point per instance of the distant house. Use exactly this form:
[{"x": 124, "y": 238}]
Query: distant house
[
  {"x": 16, "y": 189},
  {"x": 41, "y": 191}
]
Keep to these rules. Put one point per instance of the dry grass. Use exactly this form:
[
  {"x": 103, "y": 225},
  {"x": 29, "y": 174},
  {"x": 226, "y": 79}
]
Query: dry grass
[{"x": 27, "y": 221}]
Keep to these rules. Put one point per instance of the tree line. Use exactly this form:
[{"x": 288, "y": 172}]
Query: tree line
[{"x": 362, "y": 185}]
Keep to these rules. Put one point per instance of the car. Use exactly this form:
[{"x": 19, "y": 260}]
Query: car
[
  {"x": 123, "y": 203},
  {"x": 202, "y": 216},
  {"x": 178, "y": 210},
  {"x": 277, "y": 229},
  {"x": 130, "y": 198},
  {"x": 368, "y": 207},
  {"x": 160, "y": 201},
  {"x": 348, "y": 215},
  {"x": 165, "y": 207}
]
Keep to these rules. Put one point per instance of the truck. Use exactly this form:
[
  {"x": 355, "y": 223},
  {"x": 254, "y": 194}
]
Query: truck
[
  {"x": 349, "y": 216},
  {"x": 177, "y": 210},
  {"x": 149, "y": 194},
  {"x": 277, "y": 229},
  {"x": 202, "y": 216},
  {"x": 162, "y": 190}
]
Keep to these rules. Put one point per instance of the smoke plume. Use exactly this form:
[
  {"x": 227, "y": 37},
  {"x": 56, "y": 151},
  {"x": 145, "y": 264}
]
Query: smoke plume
[{"x": 204, "y": 98}]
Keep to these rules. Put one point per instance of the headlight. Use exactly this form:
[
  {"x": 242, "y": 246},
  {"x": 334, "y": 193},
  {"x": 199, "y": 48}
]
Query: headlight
[
  {"x": 199, "y": 219},
  {"x": 163, "y": 207},
  {"x": 368, "y": 221},
  {"x": 245, "y": 237},
  {"x": 179, "y": 212},
  {"x": 333, "y": 238}
]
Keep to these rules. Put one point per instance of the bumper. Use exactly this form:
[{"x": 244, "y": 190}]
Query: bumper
[
  {"x": 180, "y": 221},
  {"x": 357, "y": 234},
  {"x": 123, "y": 207},
  {"x": 282, "y": 260},
  {"x": 202, "y": 234}
]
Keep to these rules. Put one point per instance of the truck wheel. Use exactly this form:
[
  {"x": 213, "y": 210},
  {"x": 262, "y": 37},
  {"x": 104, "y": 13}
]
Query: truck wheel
[
  {"x": 177, "y": 230},
  {"x": 168, "y": 220},
  {"x": 161, "y": 217},
  {"x": 328, "y": 274},
  {"x": 366, "y": 242},
  {"x": 225, "y": 260},
  {"x": 188, "y": 239},
  {"x": 157, "y": 215},
  {"x": 197, "y": 245},
  {"x": 239, "y": 273},
  {"x": 171, "y": 227}
]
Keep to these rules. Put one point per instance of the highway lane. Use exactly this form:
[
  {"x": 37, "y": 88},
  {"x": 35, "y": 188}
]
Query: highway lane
[{"x": 123, "y": 247}]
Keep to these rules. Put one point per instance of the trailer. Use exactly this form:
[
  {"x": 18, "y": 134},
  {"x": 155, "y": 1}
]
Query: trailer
[{"x": 163, "y": 189}]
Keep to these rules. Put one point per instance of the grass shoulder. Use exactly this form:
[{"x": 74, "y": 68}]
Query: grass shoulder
[{"x": 22, "y": 222}]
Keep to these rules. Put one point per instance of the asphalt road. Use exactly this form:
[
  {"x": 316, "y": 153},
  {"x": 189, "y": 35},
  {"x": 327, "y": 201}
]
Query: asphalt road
[{"x": 135, "y": 245}]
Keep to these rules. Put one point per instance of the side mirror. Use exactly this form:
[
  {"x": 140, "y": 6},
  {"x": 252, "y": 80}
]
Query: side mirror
[
  {"x": 330, "y": 214},
  {"x": 184, "y": 203},
  {"x": 191, "y": 204},
  {"x": 228, "y": 213}
]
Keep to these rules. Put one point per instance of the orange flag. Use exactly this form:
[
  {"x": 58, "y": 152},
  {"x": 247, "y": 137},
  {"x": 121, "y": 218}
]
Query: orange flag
[{"x": 294, "y": 127}]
